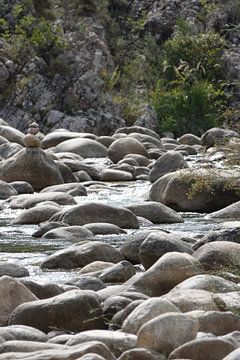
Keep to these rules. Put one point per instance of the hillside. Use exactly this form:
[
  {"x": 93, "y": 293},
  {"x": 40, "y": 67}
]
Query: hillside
[{"x": 94, "y": 66}]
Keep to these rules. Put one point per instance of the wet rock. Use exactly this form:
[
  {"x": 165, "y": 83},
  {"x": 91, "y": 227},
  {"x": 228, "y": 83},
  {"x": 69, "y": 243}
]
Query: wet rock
[
  {"x": 118, "y": 273},
  {"x": 37, "y": 214},
  {"x": 117, "y": 341},
  {"x": 205, "y": 348},
  {"x": 13, "y": 270},
  {"x": 171, "y": 269},
  {"x": 122, "y": 147},
  {"x": 158, "y": 244},
  {"x": 75, "y": 310},
  {"x": 74, "y": 189},
  {"x": 26, "y": 201},
  {"x": 104, "y": 229},
  {"x": 175, "y": 189},
  {"x": 12, "y": 294},
  {"x": 168, "y": 331},
  {"x": 42, "y": 291},
  {"x": 218, "y": 254},
  {"x": 216, "y": 322},
  {"x": 70, "y": 233},
  {"x": 47, "y": 227},
  {"x": 86, "y": 282},
  {"x": 31, "y": 165},
  {"x": 86, "y": 148},
  {"x": 97, "y": 212},
  {"x": 189, "y": 139},
  {"x": 22, "y": 187},
  {"x": 82, "y": 255},
  {"x": 216, "y": 135},
  {"x": 6, "y": 190},
  {"x": 146, "y": 311},
  {"x": 167, "y": 163},
  {"x": 155, "y": 212},
  {"x": 115, "y": 175},
  {"x": 230, "y": 212}
]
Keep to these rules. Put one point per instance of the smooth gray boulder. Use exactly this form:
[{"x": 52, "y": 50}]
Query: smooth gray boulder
[
  {"x": 26, "y": 201},
  {"x": 37, "y": 214},
  {"x": 82, "y": 255},
  {"x": 6, "y": 190},
  {"x": 122, "y": 147},
  {"x": 74, "y": 189},
  {"x": 87, "y": 148},
  {"x": 13, "y": 270},
  {"x": 75, "y": 310}
]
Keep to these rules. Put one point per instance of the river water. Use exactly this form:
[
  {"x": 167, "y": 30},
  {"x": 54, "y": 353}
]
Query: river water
[{"x": 18, "y": 246}]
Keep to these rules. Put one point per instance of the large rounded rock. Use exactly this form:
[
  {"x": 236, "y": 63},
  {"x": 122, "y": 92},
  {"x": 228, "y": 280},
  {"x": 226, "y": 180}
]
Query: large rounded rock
[
  {"x": 219, "y": 254},
  {"x": 118, "y": 273},
  {"x": 141, "y": 354},
  {"x": 117, "y": 341},
  {"x": 189, "y": 139},
  {"x": 86, "y": 148},
  {"x": 122, "y": 147},
  {"x": 171, "y": 269},
  {"x": 42, "y": 290},
  {"x": 69, "y": 233},
  {"x": 31, "y": 165},
  {"x": 37, "y": 214},
  {"x": 137, "y": 129},
  {"x": 82, "y": 255},
  {"x": 115, "y": 175},
  {"x": 6, "y": 190},
  {"x": 208, "y": 282},
  {"x": 56, "y": 137},
  {"x": 155, "y": 212},
  {"x": 157, "y": 244},
  {"x": 75, "y": 310},
  {"x": 196, "y": 190},
  {"x": 216, "y": 322},
  {"x": 146, "y": 311},
  {"x": 216, "y": 135},
  {"x": 97, "y": 212},
  {"x": 167, "y": 331},
  {"x": 9, "y": 149},
  {"x": 230, "y": 212},
  {"x": 11, "y": 134},
  {"x": 26, "y": 201},
  {"x": 167, "y": 163},
  {"x": 22, "y": 187},
  {"x": 12, "y": 294},
  {"x": 13, "y": 270},
  {"x": 22, "y": 332},
  {"x": 74, "y": 189},
  {"x": 202, "y": 349}
]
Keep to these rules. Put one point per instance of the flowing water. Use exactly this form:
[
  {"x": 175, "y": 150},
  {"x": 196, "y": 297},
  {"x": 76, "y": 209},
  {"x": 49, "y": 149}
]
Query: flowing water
[{"x": 17, "y": 245}]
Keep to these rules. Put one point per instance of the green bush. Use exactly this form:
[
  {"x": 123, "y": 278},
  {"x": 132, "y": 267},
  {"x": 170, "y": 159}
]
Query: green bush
[{"x": 192, "y": 109}]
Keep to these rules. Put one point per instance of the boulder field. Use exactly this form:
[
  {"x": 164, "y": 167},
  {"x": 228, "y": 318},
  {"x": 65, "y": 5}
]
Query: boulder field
[{"x": 155, "y": 294}]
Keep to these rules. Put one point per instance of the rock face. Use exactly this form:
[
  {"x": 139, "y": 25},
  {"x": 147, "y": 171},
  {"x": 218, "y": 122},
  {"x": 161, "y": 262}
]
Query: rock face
[
  {"x": 75, "y": 310},
  {"x": 194, "y": 190},
  {"x": 33, "y": 166}
]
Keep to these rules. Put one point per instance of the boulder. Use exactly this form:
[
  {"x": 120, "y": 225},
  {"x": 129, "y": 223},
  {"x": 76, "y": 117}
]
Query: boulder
[
  {"x": 42, "y": 290},
  {"x": 141, "y": 354},
  {"x": 230, "y": 212},
  {"x": 12, "y": 294},
  {"x": 86, "y": 148},
  {"x": 26, "y": 201},
  {"x": 13, "y": 270},
  {"x": 216, "y": 136},
  {"x": 216, "y": 322},
  {"x": 6, "y": 190},
  {"x": 82, "y": 255},
  {"x": 31, "y": 165},
  {"x": 56, "y": 137},
  {"x": 44, "y": 228},
  {"x": 12, "y": 135},
  {"x": 166, "y": 332},
  {"x": 234, "y": 355},
  {"x": 74, "y": 189},
  {"x": 75, "y": 310},
  {"x": 122, "y": 147},
  {"x": 137, "y": 129},
  {"x": 95, "y": 266},
  {"x": 201, "y": 349},
  {"x": 37, "y": 214},
  {"x": 146, "y": 311},
  {"x": 219, "y": 254},
  {"x": 189, "y": 139},
  {"x": 22, "y": 332},
  {"x": 118, "y": 273},
  {"x": 204, "y": 190},
  {"x": 86, "y": 282},
  {"x": 9, "y": 149},
  {"x": 69, "y": 233},
  {"x": 167, "y": 163},
  {"x": 115, "y": 175},
  {"x": 156, "y": 212},
  {"x": 104, "y": 229},
  {"x": 117, "y": 341},
  {"x": 90, "y": 212},
  {"x": 22, "y": 187},
  {"x": 171, "y": 269}
]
